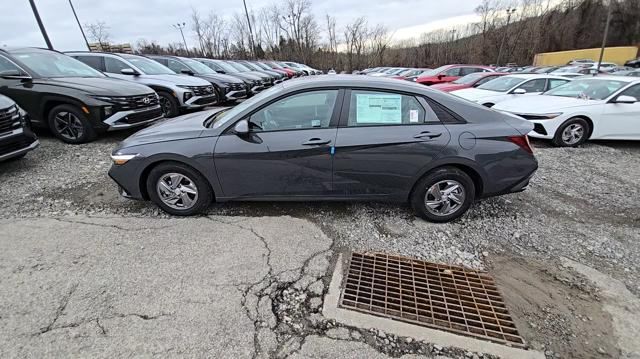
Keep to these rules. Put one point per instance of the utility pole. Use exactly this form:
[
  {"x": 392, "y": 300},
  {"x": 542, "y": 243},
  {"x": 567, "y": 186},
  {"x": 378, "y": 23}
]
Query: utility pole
[
  {"x": 510, "y": 11},
  {"x": 80, "y": 26},
  {"x": 604, "y": 37},
  {"x": 180, "y": 26},
  {"x": 253, "y": 49},
  {"x": 40, "y": 24}
]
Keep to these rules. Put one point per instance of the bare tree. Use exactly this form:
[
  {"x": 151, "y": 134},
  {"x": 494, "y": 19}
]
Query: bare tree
[
  {"x": 98, "y": 32},
  {"x": 380, "y": 40}
]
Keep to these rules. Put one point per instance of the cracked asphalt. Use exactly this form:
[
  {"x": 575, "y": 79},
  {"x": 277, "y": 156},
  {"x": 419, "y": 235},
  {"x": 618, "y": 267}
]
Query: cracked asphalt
[{"x": 85, "y": 273}]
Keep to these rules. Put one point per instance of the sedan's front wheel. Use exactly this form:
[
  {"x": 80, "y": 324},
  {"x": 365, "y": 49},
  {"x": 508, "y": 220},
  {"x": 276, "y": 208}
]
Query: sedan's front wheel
[
  {"x": 179, "y": 189},
  {"x": 573, "y": 132},
  {"x": 443, "y": 195}
]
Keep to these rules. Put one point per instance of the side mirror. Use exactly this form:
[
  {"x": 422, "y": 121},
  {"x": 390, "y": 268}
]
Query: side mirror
[
  {"x": 626, "y": 99},
  {"x": 241, "y": 128},
  {"x": 130, "y": 72},
  {"x": 221, "y": 72},
  {"x": 15, "y": 75},
  {"x": 186, "y": 72},
  {"x": 440, "y": 76},
  {"x": 519, "y": 91}
]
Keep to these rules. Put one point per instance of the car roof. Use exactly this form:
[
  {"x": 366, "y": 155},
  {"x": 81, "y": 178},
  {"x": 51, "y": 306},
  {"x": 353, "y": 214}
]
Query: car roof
[
  {"x": 349, "y": 80},
  {"x": 613, "y": 78},
  {"x": 533, "y": 76}
]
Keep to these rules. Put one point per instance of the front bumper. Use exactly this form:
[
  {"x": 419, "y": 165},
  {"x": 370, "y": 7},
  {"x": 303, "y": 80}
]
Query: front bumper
[
  {"x": 126, "y": 177},
  {"x": 196, "y": 102},
  {"x": 133, "y": 118},
  {"x": 17, "y": 143},
  {"x": 236, "y": 95}
]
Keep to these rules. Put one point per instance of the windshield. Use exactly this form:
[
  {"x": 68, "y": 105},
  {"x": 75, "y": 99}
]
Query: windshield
[
  {"x": 588, "y": 89},
  {"x": 251, "y": 66},
  {"x": 226, "y": 67},
  {"x": 502, "y": 84},
  {"x": 198, "y": 67},
  {"x": 262, "y": 66},
  {"x": 567, "y": 69},
  {"x": 238, "y": 67},
  {"x": 218, "y": 119},
  {"x": 469, "y": 79},
  {"x": 53, "y": 64},
  {"x": 149, "y": 67},
  {"x": 435, "y": 71}
]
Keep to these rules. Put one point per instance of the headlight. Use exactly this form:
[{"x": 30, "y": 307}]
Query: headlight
[
  {"x": 13, "y": 112},
  {"x": 120, "y": 159}
]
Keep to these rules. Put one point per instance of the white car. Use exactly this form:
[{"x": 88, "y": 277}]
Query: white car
[
  {"x": 602, "y": 107},
  {"x": 509, "y": 87}
]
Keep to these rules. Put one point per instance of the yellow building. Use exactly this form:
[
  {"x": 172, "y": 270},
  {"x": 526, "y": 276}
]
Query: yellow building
[{"x": 618, "y": 55}]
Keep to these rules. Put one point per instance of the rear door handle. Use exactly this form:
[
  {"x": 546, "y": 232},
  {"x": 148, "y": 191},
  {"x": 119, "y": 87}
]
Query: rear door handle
[
  {"x": 316, "y": 142},
  {"x": 428, "y": 134}
]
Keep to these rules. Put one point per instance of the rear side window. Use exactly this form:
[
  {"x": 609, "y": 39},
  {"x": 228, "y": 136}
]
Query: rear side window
[
  {"x": 93, "y": 61},
  {"x": 114, "y": 66},
  {"x": 374, "y": 108}
]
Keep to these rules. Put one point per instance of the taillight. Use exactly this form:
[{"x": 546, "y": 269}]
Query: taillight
[{"x": 522, "y": 142}]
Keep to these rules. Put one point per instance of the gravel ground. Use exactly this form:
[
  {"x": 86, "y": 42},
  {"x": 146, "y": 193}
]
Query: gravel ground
[{"x": 583, "y": 204}]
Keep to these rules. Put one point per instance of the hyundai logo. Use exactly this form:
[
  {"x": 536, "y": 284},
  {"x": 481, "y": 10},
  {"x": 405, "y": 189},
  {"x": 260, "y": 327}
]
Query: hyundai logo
[{"x": 146, "y": 101}]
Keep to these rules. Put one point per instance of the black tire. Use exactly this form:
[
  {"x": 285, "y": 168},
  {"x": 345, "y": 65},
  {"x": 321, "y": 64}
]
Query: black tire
[
  {"x": 419, "y": 195},
  {"x": 169, "y": 104},
  {"x": 204, "y": 192},
  {"x": 79, "y": 128},
  {"x": 576, "y": 123}
]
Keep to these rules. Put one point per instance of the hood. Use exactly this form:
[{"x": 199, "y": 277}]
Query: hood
[
  {"x": 104, "y": 86},
  {"x": 450, "y": 86},
  {"x": 474, "y": 94},
  {"x": 543, "y": 104},
  {"x": 245, "y": 76},
  {"x": 177, "y": 128},
  {"x": 5, "y": 102},
  {"x": 169, "y": 80},
  {"x": 261, "y": 75},
  {"x": 220, "y": 77}
]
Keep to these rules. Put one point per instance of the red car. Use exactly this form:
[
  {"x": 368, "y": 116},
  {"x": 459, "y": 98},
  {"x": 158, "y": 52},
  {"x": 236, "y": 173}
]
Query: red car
[
  {"x": 472, "y": 80},
  {"x": 448, "y": 73}
]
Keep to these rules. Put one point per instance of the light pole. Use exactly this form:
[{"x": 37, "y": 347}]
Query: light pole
[
  {"x": 453, "y": 39},
  {"x": 80, "y": 26},
  {"x": 510, "y": 11},
  {"x": 604, "y": 37},
  {"x": 253, "y": 49},
  {"x": 40, "y": 24},
  {"x": 180, "y": 26}
]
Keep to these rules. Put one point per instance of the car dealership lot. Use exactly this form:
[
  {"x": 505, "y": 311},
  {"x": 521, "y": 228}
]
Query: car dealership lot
[{"x": 85, "y": 272}]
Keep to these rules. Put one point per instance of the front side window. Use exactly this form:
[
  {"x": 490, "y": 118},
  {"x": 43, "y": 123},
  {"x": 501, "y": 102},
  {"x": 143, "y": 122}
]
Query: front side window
[
  {"x": 373, "y": 108},
  {"x": 470, "y": 70},
  {"x": 553, "y": 83},
  {"x": 300, "y": 111},
  {"x": 114, "y": 66},
  {"x": 53, "y": 64},
  {"x": 6, "y": 65},
  {"x": 176, "y": 66},
  {"x": 453, "y": 72},
  {"x": 633, "y": 91},
  {"x": 536, "y": 85},
  {"x": 93, "y": 61}
]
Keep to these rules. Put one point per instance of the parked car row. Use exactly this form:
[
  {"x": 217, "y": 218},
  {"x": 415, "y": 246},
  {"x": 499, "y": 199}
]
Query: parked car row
[{"x": 78, "y": 95}]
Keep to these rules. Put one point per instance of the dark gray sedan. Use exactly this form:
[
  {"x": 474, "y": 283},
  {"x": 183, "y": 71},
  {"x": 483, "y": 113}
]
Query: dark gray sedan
[{"x": 331, "y": 138}]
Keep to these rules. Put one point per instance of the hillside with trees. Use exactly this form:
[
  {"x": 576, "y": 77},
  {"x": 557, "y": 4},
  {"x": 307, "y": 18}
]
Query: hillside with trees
[{"x": 290, "y": 30}]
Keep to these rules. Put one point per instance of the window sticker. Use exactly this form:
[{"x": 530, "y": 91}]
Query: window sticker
[
  {"x": 413, "y": 116},
  {"x": 379, "y": 108}
]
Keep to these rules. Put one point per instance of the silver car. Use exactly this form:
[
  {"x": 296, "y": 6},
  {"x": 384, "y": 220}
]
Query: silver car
[{"x": 176, "y": 92}]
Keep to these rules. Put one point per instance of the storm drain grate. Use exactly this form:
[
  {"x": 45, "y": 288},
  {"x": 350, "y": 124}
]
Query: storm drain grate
[{"x": 439, "y": 296}]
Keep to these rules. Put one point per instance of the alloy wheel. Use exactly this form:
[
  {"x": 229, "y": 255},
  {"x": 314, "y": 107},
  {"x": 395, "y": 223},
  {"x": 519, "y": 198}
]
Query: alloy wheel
[
  {"x": 573, "y": 133},
  {"x": 177, "y": 191},
  {"x": 444, "y": 198},
  {"x": 165, "y": 105},
  {"x": 68, "y": 125}
]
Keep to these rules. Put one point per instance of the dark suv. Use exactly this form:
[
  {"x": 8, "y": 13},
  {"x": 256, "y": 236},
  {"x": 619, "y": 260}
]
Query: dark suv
[
  {"x": 70, "y": 98},
  {"x": 228, "y": 88},
  {"x": 16, "y": 139}
]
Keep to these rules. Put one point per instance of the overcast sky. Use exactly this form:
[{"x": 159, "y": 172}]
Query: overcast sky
[{"x": 132, "y": 20}]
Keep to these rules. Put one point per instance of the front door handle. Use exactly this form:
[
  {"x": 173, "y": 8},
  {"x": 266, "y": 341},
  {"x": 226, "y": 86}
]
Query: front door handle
[
  {"x": 316, "y": 142},
  {"x": 428, "y": 134}
]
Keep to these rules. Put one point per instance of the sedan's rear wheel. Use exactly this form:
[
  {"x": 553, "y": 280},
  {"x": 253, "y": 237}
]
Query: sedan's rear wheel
[
  {"x": 179, "y": 189},
  {"x": 443, "y": 195},
  {"x": 573, "y": 132}
]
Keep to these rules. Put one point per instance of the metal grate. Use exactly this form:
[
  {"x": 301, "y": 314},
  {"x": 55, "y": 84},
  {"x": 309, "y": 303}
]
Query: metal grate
[{"x": 440, "y": 296}]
